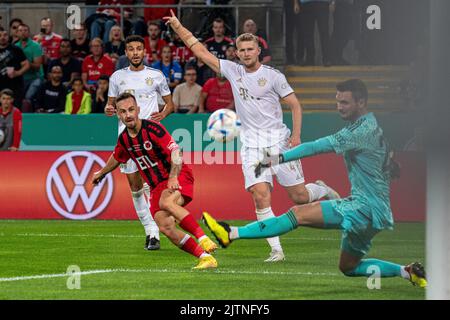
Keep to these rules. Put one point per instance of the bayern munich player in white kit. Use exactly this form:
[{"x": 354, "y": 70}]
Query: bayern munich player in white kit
[
  {"x": 145, "y": 84},
  {"x": 257, "y": 90}
]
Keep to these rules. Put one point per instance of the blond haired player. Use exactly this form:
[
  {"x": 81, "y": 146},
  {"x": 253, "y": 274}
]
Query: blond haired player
[{"x": 257, "y": 90}]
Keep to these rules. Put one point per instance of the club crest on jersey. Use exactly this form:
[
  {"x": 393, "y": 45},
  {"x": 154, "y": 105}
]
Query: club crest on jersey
[
  {"x": 100, "y": 65},
  {"x": 147, "y": 145},
  {"x": 149, "y": 81},
  {"x": 262, "y": 82}
]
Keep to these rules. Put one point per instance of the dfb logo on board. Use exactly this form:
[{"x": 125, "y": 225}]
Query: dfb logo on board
[{"x": 69, "y": 189}]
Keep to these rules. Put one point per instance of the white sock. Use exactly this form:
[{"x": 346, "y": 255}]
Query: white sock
[
  {"x": 204, "y": 254},
  {"x": 147, "y": 191},
  {"x": 202, "y": 237},
  {"x": 183, "y": 241},
  {"x": 315, "y": 191},
  {"x": 405, "y": 274},
  {"x": 262, "y": 214},
  {"x": 143, "y": 212},
  {"x": 234, "y": 233}
]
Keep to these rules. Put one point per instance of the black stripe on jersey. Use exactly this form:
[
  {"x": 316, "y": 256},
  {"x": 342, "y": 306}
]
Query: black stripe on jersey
[
  {"x": 144, "y": 152},
  {"x": 154, "y": 128},
  {"x": 147, "y": 174},
  {"x": 356, "y": 124},
  {"x": 160, "y": 155},
  {"x": 124, "y": 145}
]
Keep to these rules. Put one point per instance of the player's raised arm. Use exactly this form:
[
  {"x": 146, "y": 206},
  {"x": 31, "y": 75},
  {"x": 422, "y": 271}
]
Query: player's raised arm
[{"x": 193, "y": 43}]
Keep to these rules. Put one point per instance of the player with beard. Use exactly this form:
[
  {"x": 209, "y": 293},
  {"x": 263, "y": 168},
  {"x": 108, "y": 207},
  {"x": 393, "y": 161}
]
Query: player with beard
[
  {"x": 145, "y": 84},
  {"x": 257, "y": 91}
]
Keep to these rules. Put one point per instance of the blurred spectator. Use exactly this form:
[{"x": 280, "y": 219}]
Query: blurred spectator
[
  {"x": 70, "y": 66},
  {"x": 48, "y": 40},
  {"x": 154, "y": 43},
  {"x": 106, "y": 16},
  {"x": 10, "y": 122},
  {"x": 216, "y": 94},
  {"x": 218, "y": 44},
  {"x": 171, "y": 69},
  {"x": 251, "y": 27},
  {"x": 186, "y": 96},
  {"x": 231, "y": 53},
  {"x": 14, "y": 29},
  {"x": 345, "y": 20},
  {"x": 153, "y": 14},
  {"x": 180, "y": 52},
  {"x": 78, "y": 101},
  {"x": 34, "y": 77},
  {"x": 95, "y": 65},
  {"x": 315, "y": 11},
  {"x": 204, "y": 72},
  {"x": 13, "y": 65},
  {"x": 209, "y": 15},
  {"x": 115, "y": 47},
  {"x": 101, "y": 95},
  {"x": 295, "y": 47},
  {"x": 80, "y": 42},
  {"x": 51, "y": 96}
]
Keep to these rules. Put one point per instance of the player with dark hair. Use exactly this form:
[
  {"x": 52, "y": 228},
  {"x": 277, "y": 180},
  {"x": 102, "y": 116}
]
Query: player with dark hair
[
  {"x": 159, "y": 161},
  {"x": 145, "y": 84},
  {"x": 360, "y": 216}
]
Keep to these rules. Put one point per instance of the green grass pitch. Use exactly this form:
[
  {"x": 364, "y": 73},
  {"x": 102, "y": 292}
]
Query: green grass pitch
[{"x": 117, "y": 267}]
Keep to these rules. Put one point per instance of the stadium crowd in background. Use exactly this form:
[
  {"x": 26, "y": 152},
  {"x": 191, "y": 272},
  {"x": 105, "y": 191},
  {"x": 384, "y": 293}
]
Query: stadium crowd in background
[{"x": 96, "y": 48}]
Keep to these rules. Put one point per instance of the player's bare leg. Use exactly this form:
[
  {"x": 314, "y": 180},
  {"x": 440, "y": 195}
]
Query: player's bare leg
[
  {"x": 261, "y": 195},
  {"x": 185, "y": 242},
  {"x": 141, "y": 206},
  {"x": 172, "y": 202},
  {"x": 311, "y": 192}
]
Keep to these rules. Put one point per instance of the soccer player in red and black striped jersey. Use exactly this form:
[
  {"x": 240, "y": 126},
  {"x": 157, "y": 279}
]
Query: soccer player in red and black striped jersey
[{"x": 160, "y": 164}]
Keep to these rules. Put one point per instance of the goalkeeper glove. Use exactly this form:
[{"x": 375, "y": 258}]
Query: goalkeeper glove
[{"x": 268, "y": 161}]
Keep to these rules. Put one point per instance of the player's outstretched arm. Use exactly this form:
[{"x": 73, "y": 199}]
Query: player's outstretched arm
[
  {"x": 307, "y": 149},
  {"x": 192, "y": 42},
  {"x": 110, "y": 166}
]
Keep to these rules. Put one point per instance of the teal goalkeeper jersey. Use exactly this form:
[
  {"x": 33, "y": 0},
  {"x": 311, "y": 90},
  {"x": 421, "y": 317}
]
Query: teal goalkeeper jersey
[{"x": 366, "y": 156}]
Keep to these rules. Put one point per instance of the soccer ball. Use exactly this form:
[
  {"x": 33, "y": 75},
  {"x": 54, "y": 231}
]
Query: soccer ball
[{"x": 223, "y": 125}]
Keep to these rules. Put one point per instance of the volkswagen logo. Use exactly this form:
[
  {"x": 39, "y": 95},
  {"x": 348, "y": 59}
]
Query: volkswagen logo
[{"x": 69, "y": 189}]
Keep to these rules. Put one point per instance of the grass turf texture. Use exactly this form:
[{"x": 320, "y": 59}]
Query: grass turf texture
[{"x": 31, "y": 248}]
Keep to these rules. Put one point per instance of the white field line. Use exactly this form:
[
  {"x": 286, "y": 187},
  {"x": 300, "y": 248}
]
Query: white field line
[
  {"x": 140, "y": 236},
  {"x": 171, "y": 271}
]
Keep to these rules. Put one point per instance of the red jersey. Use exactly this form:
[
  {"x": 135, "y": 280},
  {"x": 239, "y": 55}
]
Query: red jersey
[
  {"x": 95, "y": 69},
  {"x": 181, "y": 54},
  {"x": 159, "y": 45},
  {"x": 151, "y": 150},
  {"x": 219, "y": 96},
  {"x": 50, "y": 45}
]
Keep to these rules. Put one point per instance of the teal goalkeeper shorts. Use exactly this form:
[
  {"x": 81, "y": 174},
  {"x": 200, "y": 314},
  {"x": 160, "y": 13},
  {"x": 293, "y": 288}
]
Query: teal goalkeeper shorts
[{"x": 350, "y": 216}]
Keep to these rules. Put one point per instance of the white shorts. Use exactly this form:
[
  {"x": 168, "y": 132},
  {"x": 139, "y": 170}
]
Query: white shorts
[
  {"x": 129, "y": 167},
  {"x": 288, "y": 174}
]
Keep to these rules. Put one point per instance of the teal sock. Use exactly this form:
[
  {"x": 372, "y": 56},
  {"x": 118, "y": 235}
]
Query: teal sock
[
  {"x": 269, "y": 227},
  {"x": 387, "y": 269}
]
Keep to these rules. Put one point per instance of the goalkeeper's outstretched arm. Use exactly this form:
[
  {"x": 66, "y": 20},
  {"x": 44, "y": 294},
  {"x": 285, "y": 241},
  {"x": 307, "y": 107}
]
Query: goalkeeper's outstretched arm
[
  {"x": 307, "y": 149},
  {"x": 193, "y": 43}
]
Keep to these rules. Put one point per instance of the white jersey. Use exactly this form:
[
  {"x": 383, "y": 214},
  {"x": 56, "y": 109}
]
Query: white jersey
[
  {"x": 145, "y": 85},
  {"x": 257, "y": 100}
]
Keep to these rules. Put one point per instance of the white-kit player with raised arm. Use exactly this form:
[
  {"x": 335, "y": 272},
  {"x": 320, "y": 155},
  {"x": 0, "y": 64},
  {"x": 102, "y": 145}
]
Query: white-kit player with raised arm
[{"x": 257, "y": 90}]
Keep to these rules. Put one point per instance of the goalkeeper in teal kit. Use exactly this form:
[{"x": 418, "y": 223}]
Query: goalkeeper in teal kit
[{"x": 360, "y": 216}]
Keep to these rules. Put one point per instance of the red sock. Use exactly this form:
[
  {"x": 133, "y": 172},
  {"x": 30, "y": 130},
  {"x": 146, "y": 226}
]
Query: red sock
[
  {"x": 190, "y": 225},
  {"x": 190, "y": 246}
]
